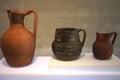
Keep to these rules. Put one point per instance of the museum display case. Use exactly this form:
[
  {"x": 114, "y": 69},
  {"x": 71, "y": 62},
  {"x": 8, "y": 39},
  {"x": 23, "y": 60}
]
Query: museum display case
[{"x": 83, "y": 18}]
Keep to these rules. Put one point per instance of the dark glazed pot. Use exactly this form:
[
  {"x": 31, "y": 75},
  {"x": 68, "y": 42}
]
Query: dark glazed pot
[
  {"x": 103, "y": 46},
  {"x": 67, "y": 45}
]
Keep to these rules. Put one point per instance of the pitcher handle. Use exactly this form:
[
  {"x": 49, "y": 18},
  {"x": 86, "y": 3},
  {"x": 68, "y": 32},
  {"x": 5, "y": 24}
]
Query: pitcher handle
[
  {"x": 35, "y": 22},
  {"x": 114, "y": 38},
  {"x": 84, "y": 37}
]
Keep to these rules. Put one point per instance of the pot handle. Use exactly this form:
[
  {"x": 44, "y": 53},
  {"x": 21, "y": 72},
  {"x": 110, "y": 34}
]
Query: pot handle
[
  {"x": 35, "y": 22},
  {"x": 84, "y": 37},
  {"x": 114, "y": 38}
]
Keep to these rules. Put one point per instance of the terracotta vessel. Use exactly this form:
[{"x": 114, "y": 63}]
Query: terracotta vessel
[
  {"x": 67, "y": 45},
  {"x": 103, "y": 46},
  {"x": 17, "y": 43}
]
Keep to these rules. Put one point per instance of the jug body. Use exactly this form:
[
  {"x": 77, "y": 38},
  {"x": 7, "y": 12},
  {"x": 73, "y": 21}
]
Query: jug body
[
  {"x": 67, "y": 45},
  {"x": 17, "y": 43},
  {"x": 103, "y": 46}
]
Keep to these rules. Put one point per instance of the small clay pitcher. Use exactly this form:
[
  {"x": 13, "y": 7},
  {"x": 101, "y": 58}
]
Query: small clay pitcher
[
  {"x": 17, "y": 43},
  {"x": 67, "y": 45},
  {"x": 103, "y": 46}
]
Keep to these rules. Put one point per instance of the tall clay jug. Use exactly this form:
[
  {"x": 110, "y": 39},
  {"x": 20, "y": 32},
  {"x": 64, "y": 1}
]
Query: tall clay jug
[
  {"x": 103, "y": 46},
  {"x": 67, "y": 45},
  {"x": 17, "y": 43}
]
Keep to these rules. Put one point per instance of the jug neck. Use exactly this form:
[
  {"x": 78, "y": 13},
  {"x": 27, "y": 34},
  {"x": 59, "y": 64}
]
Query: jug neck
[
  {"x": 104, "y": 36},
  {"x": 16, "y": 17}
]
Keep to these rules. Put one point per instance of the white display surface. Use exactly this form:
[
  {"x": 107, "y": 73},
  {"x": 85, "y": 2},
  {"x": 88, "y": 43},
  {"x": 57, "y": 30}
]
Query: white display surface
[{"x": 49, "y": 68}]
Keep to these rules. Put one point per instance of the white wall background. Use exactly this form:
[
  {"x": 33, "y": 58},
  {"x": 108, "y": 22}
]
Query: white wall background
[{"x": 90, "y": 15}]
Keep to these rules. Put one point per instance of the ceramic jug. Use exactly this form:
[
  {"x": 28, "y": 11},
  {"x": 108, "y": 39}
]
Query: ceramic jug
[
  {"x": 67, "y": 45},
  {"x": 17, "y": 43},
  {"x": 103, "y": 46}
]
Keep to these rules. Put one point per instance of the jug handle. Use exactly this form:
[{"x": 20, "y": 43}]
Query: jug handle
[
  {"x": 84, "y": 37},
  {"x": 35, "y": 21},
  {"x": 114, "y": 38}
]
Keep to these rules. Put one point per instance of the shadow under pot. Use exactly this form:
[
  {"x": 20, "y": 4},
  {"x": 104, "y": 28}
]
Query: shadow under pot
[
  {"x": 67, "y": 45},
  {"x": 103, "y": 46}
]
